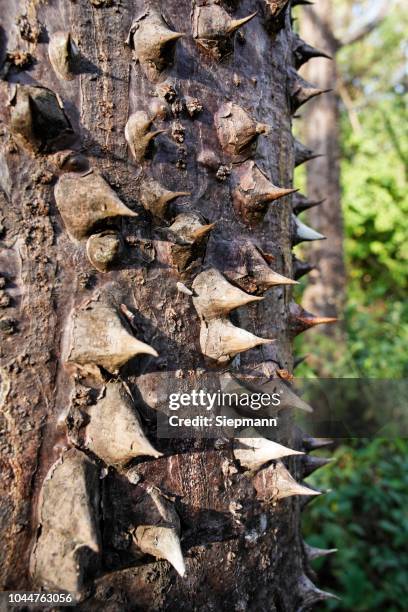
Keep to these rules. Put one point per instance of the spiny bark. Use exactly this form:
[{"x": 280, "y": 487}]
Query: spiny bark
[{"x": 83, "y": 270}]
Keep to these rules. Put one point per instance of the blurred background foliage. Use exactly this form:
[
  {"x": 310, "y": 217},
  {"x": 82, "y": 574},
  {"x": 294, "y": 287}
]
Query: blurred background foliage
[
  {"x": 374, "y": 166},
  {"x": 365, "y": 515}
]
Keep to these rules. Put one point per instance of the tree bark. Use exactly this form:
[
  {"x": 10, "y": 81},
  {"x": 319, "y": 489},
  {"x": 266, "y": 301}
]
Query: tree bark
[
  {"x": 325, "y": 294},
  {"x": 241, "y": 552}
]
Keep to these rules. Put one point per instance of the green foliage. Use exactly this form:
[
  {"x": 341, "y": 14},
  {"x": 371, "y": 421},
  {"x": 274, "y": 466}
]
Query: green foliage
[
  {"x": 375, "y": 200},
  {"x": 377, "y": 340},
  {"x": 374, "y": 163},
  {"x": 365, "y": 516}
]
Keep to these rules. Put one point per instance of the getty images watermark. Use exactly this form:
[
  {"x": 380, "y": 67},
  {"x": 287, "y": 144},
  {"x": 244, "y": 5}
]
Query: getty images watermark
[
  {"x": 224, "y": 402},
  {"x": 328, "y": 408}
]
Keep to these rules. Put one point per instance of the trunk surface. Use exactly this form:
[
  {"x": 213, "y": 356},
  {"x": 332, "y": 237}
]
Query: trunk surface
[{"x": 241, "y": 553}]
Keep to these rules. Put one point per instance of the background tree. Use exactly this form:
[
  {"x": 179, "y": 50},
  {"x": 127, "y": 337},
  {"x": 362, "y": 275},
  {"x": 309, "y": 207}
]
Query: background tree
[
  {"x": 132, "y": 190},
  {"x": 321, "y": 25}
]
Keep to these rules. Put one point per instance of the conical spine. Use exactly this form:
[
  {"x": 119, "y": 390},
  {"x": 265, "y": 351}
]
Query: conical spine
[
  {"x": 215, "y": 296},
  {"x": 300, "y": 319},
  {"x": 253, "y": 273},
  {"x": 300, "y": 203},
  {"x": 313, "y": 553},
  {"x": 236, "y": 130},
  {"x": 157, "y": 529},
  {"x": 162, "y": 543},
  {"x": 152, "y": 41},
  {"x": 288, "y": 398},
  {"x": 253, "y": 192},
  {"x": 303, "y": 154},
  {"x": 155, "y": 198},
  {"x": 114, "y": 432},
  {"x": 275, "y": 483},
  {"x": 301, "y": 91},
  {"x": 138, "y": 136},
  {"x": 310, "y": 443},
  {"x": 300, "y": 268},
  {"x": 235, "y": 24},
  {"x": 310, "y": 595},
  {"x": 63, "y": 54},
  {"x": 98, "y": 337},
  {"x": 68, "y": 546},
  {"x": 310, "y": 464},
  {"x": 213, "y": 23},
  {"x": 299, "y": 360},
  {"x": 221, "y": 340},
  {"x": 87, "y": 200},
  {"x": 302, "y": 52},
  {"x": 304, "y": 233},
  {"x": 253, "y": 451}
]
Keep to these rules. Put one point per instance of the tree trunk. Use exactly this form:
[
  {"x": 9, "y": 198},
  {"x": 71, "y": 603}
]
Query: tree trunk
[
  {"x": 83, "y": 509},
  {"x": 325, "y": 294}
]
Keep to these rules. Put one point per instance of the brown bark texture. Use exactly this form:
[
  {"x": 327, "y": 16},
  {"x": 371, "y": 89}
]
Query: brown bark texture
[
  {"x": 104, "y": 113},
  {"x": 325, "y": 294}
]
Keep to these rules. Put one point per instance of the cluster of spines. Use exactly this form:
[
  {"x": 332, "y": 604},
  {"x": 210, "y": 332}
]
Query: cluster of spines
[
  {"x": 97, "y": 343},
  {"x": 299, "y": 319},
  {"x": 214, "y": 297}
]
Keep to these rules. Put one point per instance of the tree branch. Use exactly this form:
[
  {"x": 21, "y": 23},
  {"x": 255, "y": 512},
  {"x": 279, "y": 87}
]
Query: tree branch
[
  {"x": 348, "y": 103},
  {"x": 356, "y": 34},
  {"x": 396, "y": 142}
]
